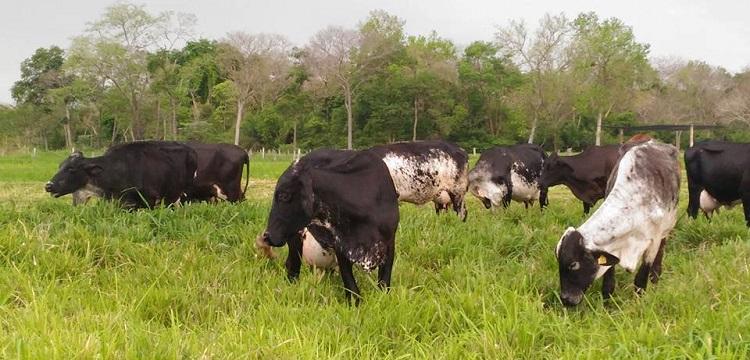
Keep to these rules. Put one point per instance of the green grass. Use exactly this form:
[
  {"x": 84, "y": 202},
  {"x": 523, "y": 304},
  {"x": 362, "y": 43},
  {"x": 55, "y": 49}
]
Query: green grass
[{"x": 97, "y": 282}]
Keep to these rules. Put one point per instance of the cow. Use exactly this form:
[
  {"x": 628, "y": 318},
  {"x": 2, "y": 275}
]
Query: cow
[
  {"x": 138, "y": 174},
  {"x": 424, "y": 171},
  {"x": 347, "y": 200},
  {"x": 585, "y": 174},
  {"x": 219, "y": 175},
  {"x": 505, "y": 173},
  {"x": 631, "y": 226},
  {"x": 721, "y": 170}
]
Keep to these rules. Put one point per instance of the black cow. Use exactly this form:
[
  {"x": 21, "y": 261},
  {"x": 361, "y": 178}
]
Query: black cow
[
  {"x": 585, "y": 174},
  {"x": 425, "y": 171},
  {"x": 505, "y": 173},
  {"x": 219, "y": 174},
  {"x": 347, "y": 200},
  {"x": 722, "y": 169},
  {"x": 138, "y": 174}
]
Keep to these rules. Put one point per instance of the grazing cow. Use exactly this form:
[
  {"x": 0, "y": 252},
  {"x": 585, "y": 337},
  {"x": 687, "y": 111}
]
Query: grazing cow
[
  {"x": 219, "y": 174},
  {"x": 630, "y": 227},
  {"x": 347, "y": 200},
  {"x": 721, "y": 170},
  {"x": 505, "y": 173},
  {"x": 138, "y": 174},
  {"x": 585, "y": 174},
  {"x": 425, "y": 171}
]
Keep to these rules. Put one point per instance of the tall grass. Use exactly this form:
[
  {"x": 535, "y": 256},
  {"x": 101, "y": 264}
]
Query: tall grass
[{"x": 95, "y": 281}]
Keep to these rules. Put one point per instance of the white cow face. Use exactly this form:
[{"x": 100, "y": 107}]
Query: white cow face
[{"x": 493, "y": 191}]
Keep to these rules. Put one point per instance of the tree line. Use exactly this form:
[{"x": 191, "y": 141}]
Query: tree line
[{"x": 562, "y": 83}]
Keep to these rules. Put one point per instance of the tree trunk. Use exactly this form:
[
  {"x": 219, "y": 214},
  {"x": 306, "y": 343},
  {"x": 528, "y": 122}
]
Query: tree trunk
[
  {"x": 599, "y": 129},
  {"x": 137, "y": 129},
  {"x": 163, "y": 122},
  {"x": 294, "y": 136},
  {"x": 114, "y": 131},
  {"x": 238, "y": 121},
  {"x": 533, "y": 128},
  {"x": 195, "y": 109},
  {"x": 416, "y": 120},
  {"x": 66, "y": 127},
  {"x": 173, "y": 105},
  {"x": 349, "y": 116}
]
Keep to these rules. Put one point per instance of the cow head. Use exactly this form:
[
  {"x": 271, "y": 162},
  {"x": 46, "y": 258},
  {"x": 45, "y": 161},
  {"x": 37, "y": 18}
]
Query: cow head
[
  {"x": 579, "y": 266},
  {"x": 73, "y": 174},
  {"x": 292, "y": 206},
  {"x": 554, "y": 171},
  {"x": 490, "y": 188}
]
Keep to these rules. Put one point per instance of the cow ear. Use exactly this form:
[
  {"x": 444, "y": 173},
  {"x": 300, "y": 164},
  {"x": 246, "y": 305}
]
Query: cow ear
[
  {"x": 93, "y": 169},
  {"x": 308, "y": 195},
  {"x": 604, "y": 258}
]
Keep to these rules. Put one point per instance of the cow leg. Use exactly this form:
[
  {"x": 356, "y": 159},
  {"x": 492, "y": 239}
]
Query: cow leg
[
  {"x": 384, "y": 270},
  {"x": 347, "y": 277},
  {"x": 294, "y": 258},
  {"x": 458, "y": 205},
  {"x": 608, "y": 283},
  {"x": 525, "y": 204},
  {"x": 746, "y": 207},
  {"x": 656, "y": 266},
  {"x": 641, "y": 278},
  {"x": 694, "y": 195},
  {"x": 586, "y": 208}
]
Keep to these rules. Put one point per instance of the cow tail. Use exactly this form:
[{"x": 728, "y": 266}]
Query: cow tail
[{"x": 247, "y": 181}]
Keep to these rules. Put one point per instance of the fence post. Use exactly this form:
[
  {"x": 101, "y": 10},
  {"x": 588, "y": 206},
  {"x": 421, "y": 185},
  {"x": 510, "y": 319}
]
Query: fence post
[
  {"x": 691, "y": 135},
  {"x": 263, "y": 153},
  {"x": 475, "y": 151}
]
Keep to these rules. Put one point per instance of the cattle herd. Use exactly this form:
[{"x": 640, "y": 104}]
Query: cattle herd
[{"x": 337, "y": 208}]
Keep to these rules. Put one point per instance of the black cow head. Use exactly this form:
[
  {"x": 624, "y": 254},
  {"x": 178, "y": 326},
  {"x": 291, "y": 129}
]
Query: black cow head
[
  {"x": 554, "y": 171},
  {"x": 292, "y": 206},
  {"x": 73, "y": 174},
  {"x": 578, "y": 266}
]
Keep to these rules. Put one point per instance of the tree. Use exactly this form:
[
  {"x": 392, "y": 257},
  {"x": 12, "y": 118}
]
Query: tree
[
  {"x": 115, "y": 49},
  {"x": 735, "y": 106},
  {"x": 41, "y": 75},
  {"x": 610, "y": 64},
  {"x": 486, "y": 79},
  {"x": 344, "y": 58},
  {"x": 544, "y": 57},
  {"x": 431, "y": 67},
  {"x": 257, "y": 65}
]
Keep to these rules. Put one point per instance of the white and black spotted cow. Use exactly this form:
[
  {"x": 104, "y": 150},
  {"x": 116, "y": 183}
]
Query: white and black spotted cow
[
  {"x": 424, "y": 171},
  {"x": 629, "y": 228},
  {"x": 505, "y": 173}
]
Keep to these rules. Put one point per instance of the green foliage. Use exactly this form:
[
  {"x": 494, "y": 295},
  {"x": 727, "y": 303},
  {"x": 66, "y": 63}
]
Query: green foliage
[{"x": 133, "y": 75}]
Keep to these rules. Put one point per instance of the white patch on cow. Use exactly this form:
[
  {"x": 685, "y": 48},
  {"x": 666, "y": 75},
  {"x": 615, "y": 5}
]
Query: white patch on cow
[
  {"x": 314, "y": 254},
  {"x": 83, "y": 195},
  {"x": 219, "y": 194},
  {"x": 630, "y": 224},
  {"x": 709, "y": 204},
  {"x": 523, "y": 190},
  {"x": 443, "y": 198},
  {"x": 419, "y": 181}
]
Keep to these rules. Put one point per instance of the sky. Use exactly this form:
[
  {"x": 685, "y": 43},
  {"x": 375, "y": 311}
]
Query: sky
[{"x": 714, "y": 31}]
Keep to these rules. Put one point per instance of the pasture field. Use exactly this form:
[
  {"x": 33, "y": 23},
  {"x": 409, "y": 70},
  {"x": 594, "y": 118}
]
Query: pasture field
[{"x": 97, "y": 282}]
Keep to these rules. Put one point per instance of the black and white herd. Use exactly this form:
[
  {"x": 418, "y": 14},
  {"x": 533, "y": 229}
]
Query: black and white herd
[{"x": 336, "y": 208}]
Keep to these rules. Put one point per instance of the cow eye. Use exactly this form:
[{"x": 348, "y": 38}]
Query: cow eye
[
  {"x": 284, "y": 196},
  {"x": 574, "y": 266}
]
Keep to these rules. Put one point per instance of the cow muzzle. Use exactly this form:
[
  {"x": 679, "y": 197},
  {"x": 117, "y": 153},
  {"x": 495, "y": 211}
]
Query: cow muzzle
[
  {"x": 50, "y": 188},
  {"x": 486, "y": 202},
  {"x": 571, "y": 299}
]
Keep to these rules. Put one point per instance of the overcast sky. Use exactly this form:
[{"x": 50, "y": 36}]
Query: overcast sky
[{"x": 716, "y": 31}]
